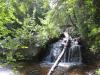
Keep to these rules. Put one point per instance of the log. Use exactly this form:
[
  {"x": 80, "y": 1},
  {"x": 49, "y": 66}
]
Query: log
[{"x": 60, "y": 56}]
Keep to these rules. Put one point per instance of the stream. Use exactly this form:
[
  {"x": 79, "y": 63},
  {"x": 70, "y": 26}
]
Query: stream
[{"x": 30, "y": 68}]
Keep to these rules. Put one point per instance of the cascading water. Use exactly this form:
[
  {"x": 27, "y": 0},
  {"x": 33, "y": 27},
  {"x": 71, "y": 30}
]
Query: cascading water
[
  {"x": 72, "y": 54},
  {"x": 55, "y": 50}
]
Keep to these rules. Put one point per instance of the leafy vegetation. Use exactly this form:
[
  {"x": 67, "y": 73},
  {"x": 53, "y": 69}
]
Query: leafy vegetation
[
  {"x": 98, "y": 71},
  {"x": 25, "y": 22}
]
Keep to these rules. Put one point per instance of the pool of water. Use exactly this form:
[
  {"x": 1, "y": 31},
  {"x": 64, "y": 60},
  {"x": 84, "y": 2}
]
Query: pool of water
[{"x": 43, "y": 68}]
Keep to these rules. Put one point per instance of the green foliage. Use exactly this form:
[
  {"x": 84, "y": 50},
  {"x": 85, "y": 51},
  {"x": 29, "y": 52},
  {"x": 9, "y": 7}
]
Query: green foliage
[
  {"x": 25, "y": 22},
  {"x": 98, "y": 71},
  {"x": 80, "y": 15}
]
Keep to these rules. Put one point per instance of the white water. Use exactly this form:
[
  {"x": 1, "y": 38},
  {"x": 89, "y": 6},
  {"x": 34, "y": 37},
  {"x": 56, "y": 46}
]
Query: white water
[
  {"x": 7, "y": 71},
  {"x": 72, "y": 55},
  {"x": 61, "y": 64}
]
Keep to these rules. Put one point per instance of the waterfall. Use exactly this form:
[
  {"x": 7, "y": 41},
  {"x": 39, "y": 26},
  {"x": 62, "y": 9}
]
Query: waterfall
[
  {"x": 55, "y": 50},
  {"x": 72, "y": 53}
]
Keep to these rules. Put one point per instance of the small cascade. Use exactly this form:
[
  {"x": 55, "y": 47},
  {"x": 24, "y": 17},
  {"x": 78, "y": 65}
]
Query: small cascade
[
  {"x": 72, "y": 53},
  {"x": 55, "y": 50}
]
